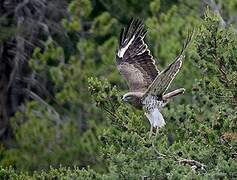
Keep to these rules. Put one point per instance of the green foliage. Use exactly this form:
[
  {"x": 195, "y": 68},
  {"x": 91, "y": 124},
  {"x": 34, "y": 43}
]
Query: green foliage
[
  {"x": 124, "y": 10},
  {"x": 60, "y": 173},
  {"x": 43, "y": 140},
  {"x": 61, "y": 128},
  {"x": 76, "y": 119},
  {"x": 217, "y": 52},
  {"x": 78, "y": 9},
  {"x": 104, "y": 25},
  {"x": 190, "y": 134},
  {"x": 155, "y": 6}
]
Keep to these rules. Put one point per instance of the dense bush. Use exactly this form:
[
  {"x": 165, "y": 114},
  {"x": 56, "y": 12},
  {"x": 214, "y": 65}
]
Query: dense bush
[{"x": 74, "y": 125}]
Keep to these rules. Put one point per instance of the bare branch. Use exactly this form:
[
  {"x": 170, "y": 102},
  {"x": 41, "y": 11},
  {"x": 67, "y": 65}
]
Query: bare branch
[
  {"x": 191, "y": 163},
  {"x": 39, "y": 99}
]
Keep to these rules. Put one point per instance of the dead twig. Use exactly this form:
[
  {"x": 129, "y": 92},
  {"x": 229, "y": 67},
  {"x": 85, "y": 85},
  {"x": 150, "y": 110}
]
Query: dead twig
[{"x": 193, "y": 163}]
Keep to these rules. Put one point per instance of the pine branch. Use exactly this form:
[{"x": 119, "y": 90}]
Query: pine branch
[
  {"x": 216, "y": 8},
  {"x": 193, "y": 163}
]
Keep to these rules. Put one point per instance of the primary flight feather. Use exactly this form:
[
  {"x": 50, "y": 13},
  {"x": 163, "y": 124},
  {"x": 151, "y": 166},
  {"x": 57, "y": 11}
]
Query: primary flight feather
[{"x": 147, "y": 85}]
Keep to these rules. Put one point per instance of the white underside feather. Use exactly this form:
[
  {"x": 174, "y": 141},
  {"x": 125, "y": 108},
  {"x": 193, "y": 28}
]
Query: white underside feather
[{"x": 155, "y": 118}]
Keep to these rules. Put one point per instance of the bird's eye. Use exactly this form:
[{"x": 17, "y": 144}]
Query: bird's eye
[
  {"x": 129, "y": 97},
  {"x": 126, "y": 98}
]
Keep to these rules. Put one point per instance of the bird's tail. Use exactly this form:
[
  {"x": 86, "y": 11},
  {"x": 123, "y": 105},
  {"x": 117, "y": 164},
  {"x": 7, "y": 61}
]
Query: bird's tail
[
  {"x": 156, "y": 118},
  {"x": 173, "y": 94}
]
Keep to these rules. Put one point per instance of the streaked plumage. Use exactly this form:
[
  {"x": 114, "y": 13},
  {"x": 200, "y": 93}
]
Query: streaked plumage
[{"x": 147, "y": 85}]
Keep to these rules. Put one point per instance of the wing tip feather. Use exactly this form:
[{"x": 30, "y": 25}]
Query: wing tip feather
[
  {"x": 121, "y": 36},
  {"x": 135, "y": 27}
]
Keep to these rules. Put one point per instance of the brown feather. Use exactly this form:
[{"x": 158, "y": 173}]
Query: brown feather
[
  {"x": 164, "y": 79},
  {"x": 134, "y": 76},
  {"x": 136, "y": 64},
  {"x": 162, "y": 82}
]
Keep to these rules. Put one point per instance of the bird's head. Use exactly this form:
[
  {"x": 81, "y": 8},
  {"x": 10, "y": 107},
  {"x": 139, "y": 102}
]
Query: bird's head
[
  {"x": 128, "y": 98},
  {"x": 132, "y": 97}
]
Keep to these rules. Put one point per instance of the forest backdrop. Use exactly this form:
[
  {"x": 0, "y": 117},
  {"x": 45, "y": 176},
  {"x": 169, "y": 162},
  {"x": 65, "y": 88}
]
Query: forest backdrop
[{"x": 60, "y": 109}]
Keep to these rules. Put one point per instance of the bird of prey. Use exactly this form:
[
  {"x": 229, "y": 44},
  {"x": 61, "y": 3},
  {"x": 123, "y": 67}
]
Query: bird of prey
[{"x": 147, "y": 85}]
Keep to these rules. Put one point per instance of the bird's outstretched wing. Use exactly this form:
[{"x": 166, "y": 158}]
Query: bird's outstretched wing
[
  {"x": 162, "y": 82},
  {"x": 133, "y": 58}
]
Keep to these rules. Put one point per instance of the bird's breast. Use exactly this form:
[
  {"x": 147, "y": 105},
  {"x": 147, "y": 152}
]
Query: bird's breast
[
  {"x": 137, "y": 103},
  {"x": 150, "y": 103}
]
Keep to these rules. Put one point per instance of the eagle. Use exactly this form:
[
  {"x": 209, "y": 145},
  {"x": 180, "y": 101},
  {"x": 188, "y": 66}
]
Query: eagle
[{"x": 147, "y": 85}]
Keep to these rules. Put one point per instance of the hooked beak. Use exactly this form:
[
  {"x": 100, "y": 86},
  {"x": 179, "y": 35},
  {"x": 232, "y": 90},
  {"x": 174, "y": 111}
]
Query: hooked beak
[{"x": 123, "y": 99}]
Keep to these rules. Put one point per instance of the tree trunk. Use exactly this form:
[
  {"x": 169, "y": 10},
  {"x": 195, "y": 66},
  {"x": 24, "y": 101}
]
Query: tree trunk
[
  {"x": 4, "y": 118},
  {"x": 27, "y": 24}
]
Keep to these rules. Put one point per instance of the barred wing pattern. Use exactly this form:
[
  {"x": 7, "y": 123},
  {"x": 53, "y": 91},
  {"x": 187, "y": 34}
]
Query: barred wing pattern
[
  {"x": 133, "y": 58},
  {"x": 164, "y": 79},
  {"x": 162, "y": 82}
]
